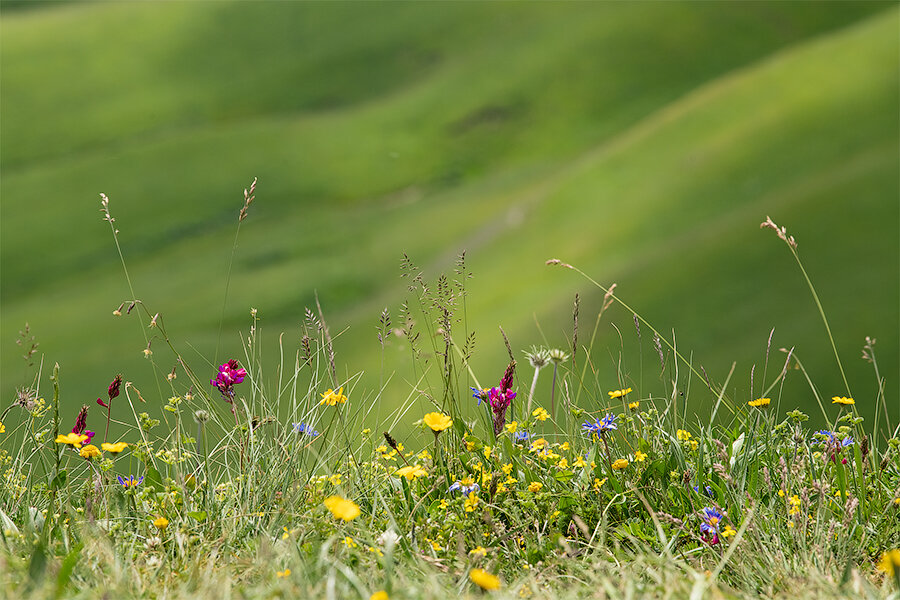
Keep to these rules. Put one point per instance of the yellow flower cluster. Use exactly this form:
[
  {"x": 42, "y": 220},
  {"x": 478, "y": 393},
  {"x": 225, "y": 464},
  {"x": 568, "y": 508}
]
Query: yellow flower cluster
[
  {"x": 760, "y": 402},
  {"x": 540, "y": 414},
  {"x": 842, "y": 400},
  {"x": 332, "y": 398},
  {"x": 619, "y": 393}
]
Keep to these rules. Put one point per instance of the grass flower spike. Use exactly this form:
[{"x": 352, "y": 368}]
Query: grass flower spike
[{"x": 340, "y": 508}]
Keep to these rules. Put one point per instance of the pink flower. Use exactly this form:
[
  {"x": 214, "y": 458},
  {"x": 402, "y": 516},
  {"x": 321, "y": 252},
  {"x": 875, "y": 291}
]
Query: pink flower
[{"x": 229, "y": 375}]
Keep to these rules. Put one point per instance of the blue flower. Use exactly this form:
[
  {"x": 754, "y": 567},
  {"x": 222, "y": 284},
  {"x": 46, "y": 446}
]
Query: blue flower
[
  {"x": 708, "y": 490},
  {"x": 466, "y": 486},
  {"x": 607, "y": 423},
  {"x": 712, "y": 520},
  {"x": 130, "y": 481},
  {"x": 521, "y": 437},
  {"x": 304, "y": 428},
  {"x": 480, "y": 394},
  {"x": 826, "y": 433}
]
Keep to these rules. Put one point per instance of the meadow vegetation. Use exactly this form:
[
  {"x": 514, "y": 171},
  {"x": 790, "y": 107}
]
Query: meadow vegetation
[{"x": 270, "y": 480}]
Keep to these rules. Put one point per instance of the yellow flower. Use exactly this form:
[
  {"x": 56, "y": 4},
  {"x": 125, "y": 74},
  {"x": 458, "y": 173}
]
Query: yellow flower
[
  {"x": 114, "y": 448},
  {"x": 349, "y": 542},
  {"x": 487, "y": 452},
  {"x": 90, "y": 451},
  {"x": 511, "y": 427},
  {"x": 598, "y": 483},
  {"x": 633, "y": 405},
  {"x": 437, "y": 422},
  {"x": 480, "y": 551},
  {"x": 73, "y": 439},
  {"x": 781, "y": 493},
  {"x": 728, "y": 531},
  {"x": 471, "y": 502},
  {"x": 412, "y": 472},
  {"x": 535, "y": 486},
  {"x": 694, "y": 444},
  {"x": 563, "y": 464},
  {"x": 620, "y": 464},
  {"x": 334, "y": 479},
  {"x": 282, "y": 574},
  {"x": 760, "y": 402},
  {"x": 639, "y": 456},
  {"x": 380, "y": 595},
  {"x": 346, "y": 510},
  {"x": 579, "y": 462},
  {"x": 2, "y": 427},
  {"x": 890, "y": 562},
  {"x": 540, "y": 414},
  {"x": 842, "y": 400},
  {"x": 619, "y": 393},
  {"x": 161, "y": 523},
  {"x": 538, "y": 444},
  {"x": 683, "y": 435},
  {"x": 484, "y": 580},
  {"x": 331, "y": 398}
]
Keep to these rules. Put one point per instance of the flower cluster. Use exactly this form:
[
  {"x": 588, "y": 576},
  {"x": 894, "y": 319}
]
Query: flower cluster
[{"x": 229, "y": 375}]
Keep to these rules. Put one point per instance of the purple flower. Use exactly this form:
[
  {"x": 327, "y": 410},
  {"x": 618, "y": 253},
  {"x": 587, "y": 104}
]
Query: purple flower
[
  {"x": 500, "y": 401},
  {"x": 230, "y": 374},
  {"x": 521, "y": 437},
  {"x": 466, "y": 486}
]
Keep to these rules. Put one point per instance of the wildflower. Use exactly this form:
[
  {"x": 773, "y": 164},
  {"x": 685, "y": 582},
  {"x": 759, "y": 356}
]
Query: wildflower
[
  {"x": 112, "y": 391},
  {"x": 540, "y": 414},
  {"x": 129, "y": 481},
  {"x": 521, "y": 437},
  {"x": 760, "y": 402},
  {"x": 707, "y": 489},
  {"x": 229, "y": 375},
  {"x": 890, "y": 562},
  {"x": 349, "y": 542},
  {"x": 563, "y": 463},
  {"x": 2, "y": 427},
  {"x": 619, "y": 393},
  {"x": 620, "y": 464},
  {"x": 147, "y": 352},
  {"x": 437, "y": 422},
  {"x": 479, "y": 551},
  {"x": 90, "y": 451},
  {"x": 332, "y": 398},
  {"x": 484, "y": 580},
  {"x": 481, "y": 394},
  {"x": 728, "y": 531},
  {"x": 633, "y": 405},
  {"x": 579, "y": 462},
  {"x": 412, "y": 472},
  {"x": 346, "y": 510},
  {"x": 539, "y": 444},
  {"x": 283, "y": 574},
  {"x": 334, "y": 479},
  {"x": 471, "y": 502},
  {"x": 466, "y": 485},
  {"x": 535, "y": 486},
  {"x": 639, "y": 456},
  {"x": 842, "y": 400},
  {"x": 72, "y": 439},
  {"x": 380, "y": 595},
  {"x": 598, "y": 483},
  {"x": 161, "y": 523},
  {"x": 607, "y": 423},
  {"x": 694, "y": 444},
  {"x": 114, "y": 448},
  {"x": 511, "y": 427},
  {"x": 303, "y": 428},
  {"x": 712, "y": 519},
  {"x": 683, "y": 435}
]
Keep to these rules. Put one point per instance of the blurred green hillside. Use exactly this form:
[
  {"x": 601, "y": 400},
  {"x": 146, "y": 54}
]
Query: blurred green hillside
[{"x": 643, "y": 142}]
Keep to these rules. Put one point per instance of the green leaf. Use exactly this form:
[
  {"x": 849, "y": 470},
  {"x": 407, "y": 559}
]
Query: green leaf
[
  {"x": 198, "y": 515},
  {"x": 153, "y": 478},
  {"x": 38, "y": 562}
]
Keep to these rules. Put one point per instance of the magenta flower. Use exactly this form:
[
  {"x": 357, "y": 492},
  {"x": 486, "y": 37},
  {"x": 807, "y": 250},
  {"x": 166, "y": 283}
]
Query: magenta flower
[
  {"x": 230, "y": 374},
  {"x": 500, "y": 398}
]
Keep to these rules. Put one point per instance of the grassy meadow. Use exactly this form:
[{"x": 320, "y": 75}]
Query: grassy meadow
[{"x": 410, "y": 399}]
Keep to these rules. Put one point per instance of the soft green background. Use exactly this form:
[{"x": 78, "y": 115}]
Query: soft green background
[{"x": 643, "y": 142}]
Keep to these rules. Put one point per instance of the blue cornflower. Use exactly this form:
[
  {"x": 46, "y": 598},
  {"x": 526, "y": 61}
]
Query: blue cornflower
[
  {"x": 130, "y": 481},
  {"x": 304, "y": 428},
  {"x": 466, "y": 486},
  {"x": 607, "y": 423}
]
